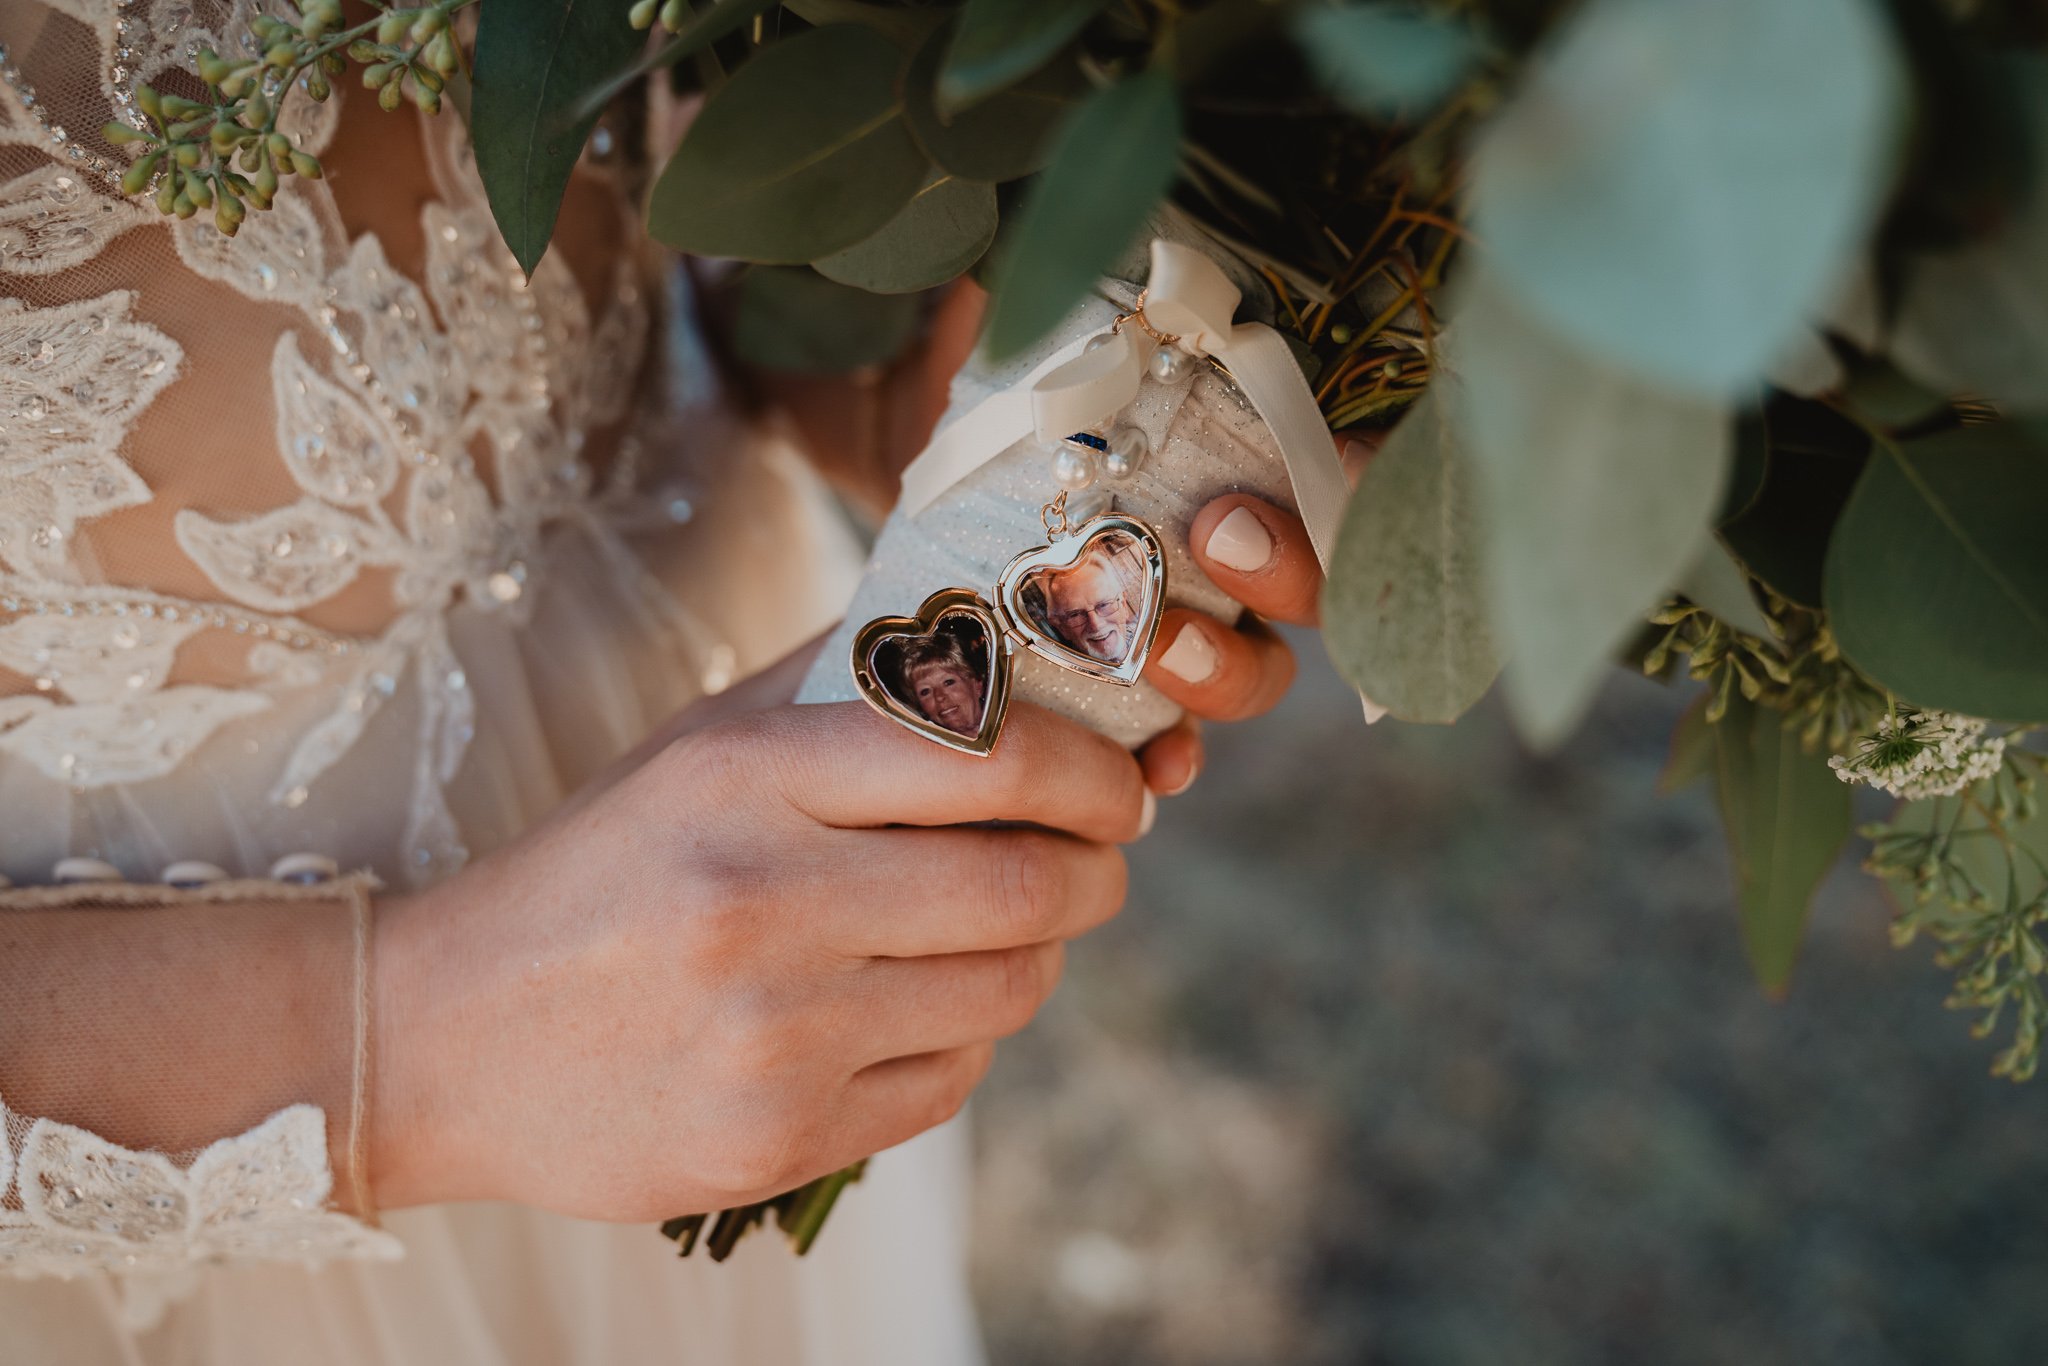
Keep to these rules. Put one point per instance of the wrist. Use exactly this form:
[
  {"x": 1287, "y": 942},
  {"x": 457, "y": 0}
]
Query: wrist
[{"x": 408, "y": 1134}]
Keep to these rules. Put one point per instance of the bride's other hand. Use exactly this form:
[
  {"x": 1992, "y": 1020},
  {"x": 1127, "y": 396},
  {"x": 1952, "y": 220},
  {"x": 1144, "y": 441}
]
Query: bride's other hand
[
  {"x": 752, "y": 960},
  {"x": 1261, "y": 555}
]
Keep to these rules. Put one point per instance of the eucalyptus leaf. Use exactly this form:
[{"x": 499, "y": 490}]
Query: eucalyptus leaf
[
  {"x": 906, "y": 26},
  {"x": 936, "y": 237},
  {"x": 999, "y": 42},
  {"x": 534, "y": 61},
  {"x": 1385, "y": 59},
  {"x": 1717, "y": 583},
  {"x": 1937, "y": 578},
  {"x": 705, "y": 27},
  {"x": 1404, "y": 609},
  {"x": 1678, "y": 184},
  {"x": 1814, "y": 458},
  {"x": 1751, "y": 463},
  {"x": 1596, "y": 492},
  {"x": 1977, "y": 319},
  {"x": 1692, "y": 753},
  {"x": 1111, "y": 165},
  {"x": 801, "y": 154},
  {"x": 792, "y": 318},
  {"x": 1886, "y": 397},
  {"x": 1000, "y": 138},
  {"x": 1787, "y": 817}
]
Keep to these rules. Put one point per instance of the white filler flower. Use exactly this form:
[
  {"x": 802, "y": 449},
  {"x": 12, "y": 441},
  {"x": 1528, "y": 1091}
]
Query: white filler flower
[{"x": 1917, "y": 754}]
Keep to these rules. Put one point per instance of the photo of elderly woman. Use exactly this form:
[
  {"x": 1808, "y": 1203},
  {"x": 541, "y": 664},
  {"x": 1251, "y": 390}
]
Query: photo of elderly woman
[
  {"x": 1093, "y": 606},
  {"x": 943, "y": 676}
]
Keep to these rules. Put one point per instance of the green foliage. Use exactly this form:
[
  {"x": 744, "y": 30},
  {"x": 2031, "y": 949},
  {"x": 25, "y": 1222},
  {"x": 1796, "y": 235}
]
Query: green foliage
[
  {"x": 906, "y": 26},
  {"x": 1693, "y": 743},
  {"x": 939, "y": 234},
  {"x": 527, "y": 93},
  {"x": 1677, "y": 186},
  {"x": 792, "y": 318},
  {"x": 1113, "y": 162},
  {"x": 1976, "y": 317},
  {"x": 1787, "y": 818},
  {"x": 1597, "y": 491},
  {"x": 1720, "y": 585},
  {"x": 999, "y": 42},
  {"x": 766, "y": 177},
  {"x": 1969, "y": 873},
  {"x": 225, "y": 153},
  {"x": 1385, "y": 59},
  {"x": 1405, "y": 601},
  {"x": 694, "y": 31},
  {"x": 1804, "y": 461},
  {"x": 1003, "y": 137},
  {"x": 1795, "y": 670},
  {"x": 1937, "y": 576}
]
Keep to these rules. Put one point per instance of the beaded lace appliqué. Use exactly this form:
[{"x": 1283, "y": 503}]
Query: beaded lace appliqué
[
  {"x": 74, "y": 1202},
  {"x": 375, "y": 426}
]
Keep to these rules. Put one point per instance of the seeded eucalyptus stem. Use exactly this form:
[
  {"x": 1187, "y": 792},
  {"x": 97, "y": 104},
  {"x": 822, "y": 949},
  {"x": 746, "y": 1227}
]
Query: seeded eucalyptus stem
[
  {"x": 1958, "y": 863},
  {"x": 228, "y": 154}
]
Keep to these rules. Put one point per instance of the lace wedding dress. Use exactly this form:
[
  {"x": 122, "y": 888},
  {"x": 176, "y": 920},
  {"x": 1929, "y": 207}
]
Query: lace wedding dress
[{"x": 338, "y": 546}]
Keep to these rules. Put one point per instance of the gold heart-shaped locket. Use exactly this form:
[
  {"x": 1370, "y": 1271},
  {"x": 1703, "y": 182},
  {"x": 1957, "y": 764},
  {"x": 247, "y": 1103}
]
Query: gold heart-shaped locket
[
  {"x": 1088, "y": 601},
  {"x": 944, "y": 673}
]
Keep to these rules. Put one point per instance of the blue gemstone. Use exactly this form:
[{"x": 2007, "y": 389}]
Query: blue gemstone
[{"x": 1090, "y": 440}]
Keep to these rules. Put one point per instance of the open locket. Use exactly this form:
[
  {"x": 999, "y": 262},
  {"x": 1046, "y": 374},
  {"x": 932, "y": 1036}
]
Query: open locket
[{"x": 1088, "y": 600}]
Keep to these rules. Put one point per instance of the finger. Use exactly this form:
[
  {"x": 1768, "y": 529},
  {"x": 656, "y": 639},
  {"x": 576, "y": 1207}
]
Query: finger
[
  {"x": 895, "y": 1101},
  {"x": 1172, "y": 760},
  {"x": 1218, "y": 672},
  {"x": 909, "y": 893},
  {"x": 1356, "y": 448},
  {"x": 849, "y": 767},
  {"x": 1260, "y": 555},
  {"x": 903, "y": 1006}
]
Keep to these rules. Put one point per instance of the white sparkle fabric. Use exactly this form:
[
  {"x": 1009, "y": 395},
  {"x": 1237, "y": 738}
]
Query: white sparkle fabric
[{"x": 340, "y": 537}]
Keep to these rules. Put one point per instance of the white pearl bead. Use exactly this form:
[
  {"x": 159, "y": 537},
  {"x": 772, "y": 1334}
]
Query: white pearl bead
[
  {"x": 192, "y": 873},
  {"x": 1170, "y": 364},
  {"x": 1074, "y": 468},
  {"x": 1128, "y": 447},
  {"x": 85, "y": 870},
  {"x": 305, "y": 869}
]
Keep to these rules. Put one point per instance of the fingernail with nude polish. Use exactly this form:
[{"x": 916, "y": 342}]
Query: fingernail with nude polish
[
  {"x": 1241, "y": 542},
  {"x": 1356, "y": 454},
  {"x": 1148, "y": 812},
  {"x": 1192, "y": 658}
]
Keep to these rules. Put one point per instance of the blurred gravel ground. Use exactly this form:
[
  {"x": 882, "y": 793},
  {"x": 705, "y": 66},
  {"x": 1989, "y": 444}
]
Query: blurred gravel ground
[{"x": 1414, "y": 1049}]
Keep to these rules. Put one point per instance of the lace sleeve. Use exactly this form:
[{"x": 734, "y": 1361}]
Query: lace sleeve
[{"x": 183, "y": 1074}]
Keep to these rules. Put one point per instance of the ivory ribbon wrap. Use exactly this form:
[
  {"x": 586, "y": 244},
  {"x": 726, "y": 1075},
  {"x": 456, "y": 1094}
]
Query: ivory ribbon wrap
[{"x": 1189, "y": 299}]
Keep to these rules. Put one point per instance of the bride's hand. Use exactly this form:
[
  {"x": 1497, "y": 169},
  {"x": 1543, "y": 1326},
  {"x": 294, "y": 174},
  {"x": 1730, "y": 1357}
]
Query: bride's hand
[
  {"x": 740, "y": 966},
  {"x": 1260, "y": 555}
]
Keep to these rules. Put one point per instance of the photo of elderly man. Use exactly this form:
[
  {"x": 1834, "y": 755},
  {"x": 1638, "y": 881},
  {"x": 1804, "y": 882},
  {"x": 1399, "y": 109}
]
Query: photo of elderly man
[{"x": 1093, "y": 606}]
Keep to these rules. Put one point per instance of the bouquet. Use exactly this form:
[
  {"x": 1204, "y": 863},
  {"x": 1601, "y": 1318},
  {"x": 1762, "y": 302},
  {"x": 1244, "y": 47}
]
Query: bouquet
[{"x": 1711, "y": 339}]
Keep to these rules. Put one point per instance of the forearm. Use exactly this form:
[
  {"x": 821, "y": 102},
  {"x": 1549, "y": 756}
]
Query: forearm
[{"x": 165, "y": 1021}]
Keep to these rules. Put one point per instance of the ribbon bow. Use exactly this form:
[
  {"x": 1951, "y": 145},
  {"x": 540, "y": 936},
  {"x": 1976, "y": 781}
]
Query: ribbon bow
[{"x": 1188, "y": 303}]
